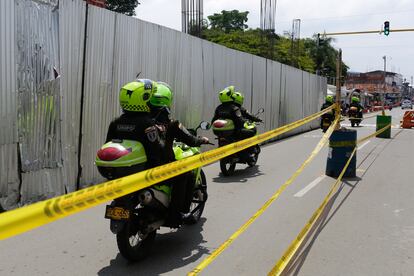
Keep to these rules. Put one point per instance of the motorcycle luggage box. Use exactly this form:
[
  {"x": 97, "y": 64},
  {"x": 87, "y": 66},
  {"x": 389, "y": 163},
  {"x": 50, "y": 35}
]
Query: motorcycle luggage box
[
  {"x": 223, "y": 127},
  {"x": 120, "y": 158}
]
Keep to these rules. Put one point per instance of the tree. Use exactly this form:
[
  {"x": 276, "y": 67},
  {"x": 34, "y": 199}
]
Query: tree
[
  {"x": 229, "y": 29},
  {"x": 325, "y": 56},
  {"x": 228, "y": 21},
  {"x": 122, "y": 6}
]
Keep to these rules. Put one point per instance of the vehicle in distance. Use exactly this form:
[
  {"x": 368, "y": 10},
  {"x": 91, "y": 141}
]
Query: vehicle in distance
[{"x": 406, "y": 104}]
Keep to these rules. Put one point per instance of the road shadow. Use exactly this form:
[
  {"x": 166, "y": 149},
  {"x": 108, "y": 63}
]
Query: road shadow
[
  {"x": 240, "y": 175},
  {"x": 171, "y": 250}
]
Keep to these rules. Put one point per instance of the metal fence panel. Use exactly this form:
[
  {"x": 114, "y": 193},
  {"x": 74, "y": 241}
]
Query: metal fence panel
[
  {"x": 273, "y": 94},
  {"x": 194, "y": 109},
  {"x": 71, "y": 40},
  {"x": 210, "y": 99},
  {"x": 258, "y": 95},
  {"x": 41, "y": 184},
  {"x": 39, "y": 93},
  {"x": 99, "y": 99},
  {"x": 9, "y": 178},
  {"x": 9, "y": 181},
  {"x": 8, "y": 92}
]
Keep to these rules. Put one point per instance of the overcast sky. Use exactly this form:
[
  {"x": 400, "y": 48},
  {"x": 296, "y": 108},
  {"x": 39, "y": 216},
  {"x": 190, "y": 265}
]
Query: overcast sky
[{"x": 360, "y": 52}]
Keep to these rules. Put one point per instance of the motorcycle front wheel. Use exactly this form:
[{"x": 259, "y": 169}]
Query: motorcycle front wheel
[
  {"x": 227, "y": 168},
  {"x": 132, "y": 245},
  {"x": 199, "y": 200}
]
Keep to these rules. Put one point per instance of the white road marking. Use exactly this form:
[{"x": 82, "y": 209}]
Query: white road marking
[
  {"x": 310, "y": 186},
  {"x": 364, "y": 144}
]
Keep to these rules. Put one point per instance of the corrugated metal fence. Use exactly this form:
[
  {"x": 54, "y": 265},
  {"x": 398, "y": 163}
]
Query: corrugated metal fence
[{"x": 61, "y": 69}]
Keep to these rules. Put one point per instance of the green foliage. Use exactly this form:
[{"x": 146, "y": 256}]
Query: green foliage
[
  {"x": 228, "y": 21},
  {"x": 126, "y": 7},
  {"x": 304, "y": 54}
]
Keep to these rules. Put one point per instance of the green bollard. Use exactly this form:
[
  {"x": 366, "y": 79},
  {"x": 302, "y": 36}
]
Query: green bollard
[{"x": 383, "y": 121}]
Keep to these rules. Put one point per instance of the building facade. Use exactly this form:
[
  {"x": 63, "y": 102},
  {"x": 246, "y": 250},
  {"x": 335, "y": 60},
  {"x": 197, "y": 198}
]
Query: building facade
[{"x": 373, "y": 82}]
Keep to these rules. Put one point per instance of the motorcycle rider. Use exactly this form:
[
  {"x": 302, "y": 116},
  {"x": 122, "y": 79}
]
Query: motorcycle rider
[
  {"x": 182, "y": 185},
  {"x": 229, "y": 110},
  {"x": 355, "y": 103},
  {"x": 247, "y": 116},
  {"x": 136, "y": 122},
  {"x": 329, "y": 100}
]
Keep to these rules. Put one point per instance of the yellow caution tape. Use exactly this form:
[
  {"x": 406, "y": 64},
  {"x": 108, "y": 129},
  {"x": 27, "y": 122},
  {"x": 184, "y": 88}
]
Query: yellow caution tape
[
  {"x": 243, "y": 228},
  {"x": 374, "y": 134},
  {"x": 341, "y": 144},
  {"x": 295, "y": 245},
  {"x": 286, "y": 258},
  {"x": 29, "y": 217}
]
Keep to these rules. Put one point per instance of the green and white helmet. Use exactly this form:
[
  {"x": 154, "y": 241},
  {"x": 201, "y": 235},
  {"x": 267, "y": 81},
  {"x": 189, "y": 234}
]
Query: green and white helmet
[
  {"x": 226, "y": 95},
  {"x": 135, "y": 96},
  {"x": 163, "y": 97},
  {"x": 329, "y": 99},
  {"x": 238, "y": 98}
]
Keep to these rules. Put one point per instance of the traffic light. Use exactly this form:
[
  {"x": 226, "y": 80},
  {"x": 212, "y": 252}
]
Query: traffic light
[{"x": 386, "y": 28}]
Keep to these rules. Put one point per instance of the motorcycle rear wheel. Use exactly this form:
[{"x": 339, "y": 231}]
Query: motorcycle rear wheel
[
  {"x": 227, "y": 168},
  {"x": 131, "y": 246},
  {"x": 199, "y": 200},
  {"x": 252, "y": 163}
]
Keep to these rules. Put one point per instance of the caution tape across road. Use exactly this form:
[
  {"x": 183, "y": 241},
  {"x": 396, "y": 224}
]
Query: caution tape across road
[
  {"x": 265, "y": 206},
  {"x": 32, "y": 216},
  {"x": 296, "y": 244}
]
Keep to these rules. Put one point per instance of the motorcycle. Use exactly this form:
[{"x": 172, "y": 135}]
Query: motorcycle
[
  {"x": 224, "y": 129},
  {"x": 354, "y": 116},
  {"x": 135, "y": 218}
]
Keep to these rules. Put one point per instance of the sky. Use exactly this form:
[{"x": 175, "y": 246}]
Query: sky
[{"x": 361, "y": 53}]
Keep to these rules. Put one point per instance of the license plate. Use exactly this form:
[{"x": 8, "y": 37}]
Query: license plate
[{"x": 116, "y": 213}]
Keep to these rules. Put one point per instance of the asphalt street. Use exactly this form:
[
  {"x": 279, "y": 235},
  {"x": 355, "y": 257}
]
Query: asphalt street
[{"x": 369, "y": 229}]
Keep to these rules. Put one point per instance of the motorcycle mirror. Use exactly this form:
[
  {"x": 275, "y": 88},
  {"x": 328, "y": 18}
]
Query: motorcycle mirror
[
  {"x": 261, "y": 110},
  {"x": 205, "y": 125}
]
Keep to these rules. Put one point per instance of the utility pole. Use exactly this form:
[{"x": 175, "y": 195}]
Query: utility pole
[
  {"x": 338, "y": 84},
  {"x": 385, "y": 84}
]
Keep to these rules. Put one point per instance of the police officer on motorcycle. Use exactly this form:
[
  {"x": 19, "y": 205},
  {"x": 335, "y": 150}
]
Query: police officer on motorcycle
[
  {"x": 329, "y": 100},
  {"x": 136, "y": 122},
  {"x": 355, "y": 103},
  {"x": 247, "y": 116},
  {"x": 182, "y": 186},
  {"x": 228, "y": 109}
]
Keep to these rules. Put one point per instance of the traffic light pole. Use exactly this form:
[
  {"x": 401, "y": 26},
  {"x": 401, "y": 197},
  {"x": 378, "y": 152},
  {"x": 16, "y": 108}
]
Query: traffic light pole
[
  {"x": 385, "y": 85},
  {"x": 366, "y": 32}
]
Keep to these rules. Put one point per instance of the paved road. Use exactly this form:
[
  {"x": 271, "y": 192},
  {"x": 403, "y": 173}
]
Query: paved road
[{"x": 368, "y": 231}]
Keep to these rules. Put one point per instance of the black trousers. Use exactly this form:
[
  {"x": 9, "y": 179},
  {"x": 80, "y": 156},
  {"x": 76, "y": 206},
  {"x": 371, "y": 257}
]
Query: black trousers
[{"x": 182, "y": 192}]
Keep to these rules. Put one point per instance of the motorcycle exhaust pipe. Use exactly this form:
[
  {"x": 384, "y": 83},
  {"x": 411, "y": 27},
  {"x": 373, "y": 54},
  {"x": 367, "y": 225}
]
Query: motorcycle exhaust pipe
[
  {"x": 153, "y": 198},
  {"x": 145, "y": 197}
]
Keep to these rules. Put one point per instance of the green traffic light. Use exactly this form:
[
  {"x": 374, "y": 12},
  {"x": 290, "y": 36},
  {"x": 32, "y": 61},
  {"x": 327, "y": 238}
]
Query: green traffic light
[{"x": 386, "y": 28}]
